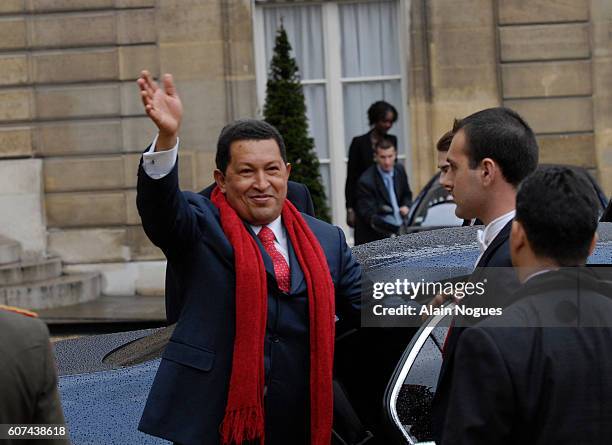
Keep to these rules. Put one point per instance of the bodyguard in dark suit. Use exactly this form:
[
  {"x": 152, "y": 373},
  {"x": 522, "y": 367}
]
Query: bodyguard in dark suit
[
  {"x": 491, "y": 152},
  {"x": 381, "y": 116},
  {"x": 383, "y": 196},
  {"x": 299, "y": 196},
  {"x": 252, "y": 352},
  {"x": 28, "y": 376},
  {"x": 539, "y": 373}
]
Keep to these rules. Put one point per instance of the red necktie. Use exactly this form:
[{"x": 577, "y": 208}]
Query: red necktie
[{"x": 281, "y": 268}]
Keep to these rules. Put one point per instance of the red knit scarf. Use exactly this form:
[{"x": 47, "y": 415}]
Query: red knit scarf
[{"x": 244, "y": 413}]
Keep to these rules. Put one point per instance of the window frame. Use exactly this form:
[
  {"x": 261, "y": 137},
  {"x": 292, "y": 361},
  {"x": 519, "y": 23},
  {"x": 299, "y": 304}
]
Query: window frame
[{"x": 334, "y": 82}]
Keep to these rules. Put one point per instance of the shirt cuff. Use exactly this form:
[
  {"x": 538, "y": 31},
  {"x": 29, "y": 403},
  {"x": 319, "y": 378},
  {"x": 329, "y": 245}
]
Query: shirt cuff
[{"x": 158, "y": 164}]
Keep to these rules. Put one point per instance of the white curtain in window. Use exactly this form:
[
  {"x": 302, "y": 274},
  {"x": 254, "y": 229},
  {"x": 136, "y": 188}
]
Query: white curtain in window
[
  {"x": 370, "y": 48},
  {"x": 316, "y": 111},
  {"x": 305, "y": 32},
  {"x": 370, "y": 43}
]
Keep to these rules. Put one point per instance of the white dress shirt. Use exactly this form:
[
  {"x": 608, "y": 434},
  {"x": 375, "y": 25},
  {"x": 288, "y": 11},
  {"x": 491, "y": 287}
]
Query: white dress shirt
[
  {"x": 158, "y": 164},
  {"x": 280, "y": 236},
  {"x": 486, "y": 236}
]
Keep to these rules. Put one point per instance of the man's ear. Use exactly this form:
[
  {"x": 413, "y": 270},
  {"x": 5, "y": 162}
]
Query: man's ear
[
  {"x": 219, "y": 179},
  {"x": 489, "y": 170},
  {"x": 593, "y": 243},
  {"x": 288, "y": 165},
  {"x": 518, "y": 241}
]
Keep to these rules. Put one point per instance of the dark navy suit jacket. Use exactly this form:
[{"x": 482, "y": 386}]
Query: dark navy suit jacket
[
  {"x": 372, "y": 194},
  {"x": 297, "y": 193},
  {"x": 539, "y": 373},
  {"x": 497, "y": 255},
  {"x": 188, "y": 397}
]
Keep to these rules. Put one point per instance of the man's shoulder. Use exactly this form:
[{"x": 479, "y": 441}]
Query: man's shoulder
[
  {"x": 399, "y": 169},
  {"x": 318, "y": 224},
  {"x": 497, "y": 253},
  {"x": 324, "y": 231},
  {"x": 18, "y": 329},
  {"x": 202, "y": 202},
  {"x": 367, "y": 177},
  {"x": 361, "y": 138}
]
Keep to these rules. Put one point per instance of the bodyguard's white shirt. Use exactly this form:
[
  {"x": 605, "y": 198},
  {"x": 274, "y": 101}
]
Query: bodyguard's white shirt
[
  {"x": 158, "y": 164},
  {"x": 486, "y": 236}
]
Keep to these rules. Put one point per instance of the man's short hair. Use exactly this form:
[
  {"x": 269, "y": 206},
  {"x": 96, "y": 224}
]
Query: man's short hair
[
  {"x": 245, "y": 130},
  {"x": 384, "y": 144},
  {"x": 444, "y": 142},
  {"x": 378, "y": 111},
  {"x": 502, "y": 135},
  {"x": 558, "y": 209}
]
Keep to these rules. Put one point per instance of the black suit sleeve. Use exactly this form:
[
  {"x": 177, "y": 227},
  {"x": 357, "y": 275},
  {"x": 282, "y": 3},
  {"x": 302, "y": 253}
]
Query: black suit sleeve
[
  {"x": 304, "y": 203},
  {"x": 167, "y": 218},
  {"x": 348, "y": 287},
  {"x": 481, "y": 403},
  {"x": 366, "y": 202},
  {"x": 393, "y": 140},
  {"x": 405, "y": 198},
  {"x": 352, "y": 173}
]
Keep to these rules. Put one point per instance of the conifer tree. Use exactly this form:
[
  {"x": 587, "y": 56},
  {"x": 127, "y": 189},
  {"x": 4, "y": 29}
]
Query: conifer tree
[{"x": 285, "y": 108}]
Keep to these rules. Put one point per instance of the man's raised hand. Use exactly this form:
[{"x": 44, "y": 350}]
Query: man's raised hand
[{"x": 163, "y": 106}]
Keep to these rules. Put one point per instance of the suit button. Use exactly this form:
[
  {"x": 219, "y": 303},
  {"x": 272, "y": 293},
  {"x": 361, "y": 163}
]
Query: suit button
[{"x": 275, "y": 339}]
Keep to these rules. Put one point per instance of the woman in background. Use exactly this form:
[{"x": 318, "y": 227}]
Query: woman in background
[{"x": 381, "y": 116}]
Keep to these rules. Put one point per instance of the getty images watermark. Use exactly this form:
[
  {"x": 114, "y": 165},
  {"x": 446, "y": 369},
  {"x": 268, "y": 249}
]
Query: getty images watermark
[
  {"x": 455, "y": 291},
  {"x": 406, "y": 297},
  {"x": 398, "y": 296}
]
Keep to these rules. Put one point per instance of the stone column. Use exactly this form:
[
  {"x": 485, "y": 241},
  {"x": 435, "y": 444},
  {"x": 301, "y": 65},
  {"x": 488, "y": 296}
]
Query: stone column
[
  {"x": 601, "y": 20},
  {"x": 461, "y": 59}
]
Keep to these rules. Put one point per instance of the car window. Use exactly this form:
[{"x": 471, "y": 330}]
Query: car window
[
  {"x": 410, "y": 392},
  {"x": 437, "y": 208}
]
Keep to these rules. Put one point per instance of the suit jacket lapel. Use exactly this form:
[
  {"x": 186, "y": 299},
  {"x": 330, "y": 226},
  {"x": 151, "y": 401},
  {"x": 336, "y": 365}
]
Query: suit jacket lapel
[
  {"x": 501, "y": 237},
  {"x": 380, "y": 185},
  {"x": 451, "y": 343},
  {"x": 297, "y": 276},
  {"x": 397, "y": 184}
]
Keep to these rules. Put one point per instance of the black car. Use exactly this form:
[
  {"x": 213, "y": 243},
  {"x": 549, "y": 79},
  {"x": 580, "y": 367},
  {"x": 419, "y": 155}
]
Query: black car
[{"x": 388, "y": 375}]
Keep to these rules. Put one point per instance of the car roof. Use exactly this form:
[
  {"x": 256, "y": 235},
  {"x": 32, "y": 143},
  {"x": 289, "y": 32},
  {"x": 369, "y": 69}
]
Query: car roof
[{"x": 432, "y": 255}]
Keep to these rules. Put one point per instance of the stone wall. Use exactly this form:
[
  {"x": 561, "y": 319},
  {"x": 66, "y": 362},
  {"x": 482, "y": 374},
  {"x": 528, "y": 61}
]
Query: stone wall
[
  {"x": 546, "y": 75},
  {"x": 548, "y": 60},
  {"x": 68, "y": 99}
]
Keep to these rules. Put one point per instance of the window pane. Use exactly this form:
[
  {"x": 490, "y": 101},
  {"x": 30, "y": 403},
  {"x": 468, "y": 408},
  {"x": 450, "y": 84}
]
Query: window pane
[
  {"x": 357, "y": 99},
  {"x": 305, "y": 32},
  {"x": 317, "y": 117},
  {"x": 326, "y": 177},
  {"x": 370, "y": 43}
]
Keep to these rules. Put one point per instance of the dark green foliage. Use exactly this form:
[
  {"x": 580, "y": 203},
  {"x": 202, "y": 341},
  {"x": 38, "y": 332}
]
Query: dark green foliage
[{"x": 286, "y": 110}]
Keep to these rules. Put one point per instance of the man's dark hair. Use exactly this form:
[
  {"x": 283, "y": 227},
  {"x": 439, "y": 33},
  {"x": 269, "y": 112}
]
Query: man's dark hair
[
  {"x": 378, "y": 111},
  {"x": 502, "y": 135},
  {"x": 444, "y": 142},
  {"x": 245, "y": 130},
  {"x": 558, "y": 209},
  {"x": 384, "y": 144}
]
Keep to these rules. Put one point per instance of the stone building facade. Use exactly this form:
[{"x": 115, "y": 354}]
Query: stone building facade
[{"x": 72, "y": 126}]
